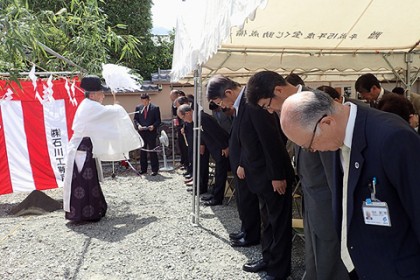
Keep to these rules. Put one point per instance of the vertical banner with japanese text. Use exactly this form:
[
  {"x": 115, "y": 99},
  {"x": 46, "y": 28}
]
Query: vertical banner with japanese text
[{"x": 35, "y": 127}]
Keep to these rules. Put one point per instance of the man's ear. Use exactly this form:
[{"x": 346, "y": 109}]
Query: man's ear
[
  {"x": 278, "y": 90},
  {"x": 328, "y": 120},
  {"x": 375, "y": 89}
]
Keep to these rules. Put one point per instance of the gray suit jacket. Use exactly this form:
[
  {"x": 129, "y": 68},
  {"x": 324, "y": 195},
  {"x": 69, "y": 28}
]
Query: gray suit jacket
[{"x": 322, "y": 245}]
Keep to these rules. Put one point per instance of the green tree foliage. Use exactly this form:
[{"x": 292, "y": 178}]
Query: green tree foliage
[
  {"x": 136, "y": 15},
  {"x": 88, "y": 32},
  {"x": 156, "y": 51},
  {"x": 79, "y": 31},
  {"x": 19, "y": 32}
]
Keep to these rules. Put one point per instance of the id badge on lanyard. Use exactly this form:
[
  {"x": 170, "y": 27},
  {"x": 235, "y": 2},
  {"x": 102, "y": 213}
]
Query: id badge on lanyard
[{"x": 375, "y": 212}]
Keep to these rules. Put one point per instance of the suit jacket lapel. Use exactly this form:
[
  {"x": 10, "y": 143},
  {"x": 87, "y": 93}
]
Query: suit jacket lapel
[
  {"x": 242, "y": 103},
  {"x": 239, "y": 115},
  {"x": 356, "y": 158},
  {"x": 297, "y": 149},
  {"x": 337, "y": 192}
]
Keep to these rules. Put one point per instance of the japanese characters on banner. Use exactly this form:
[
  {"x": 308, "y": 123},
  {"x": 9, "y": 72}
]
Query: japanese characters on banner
[
  {"x": 35, "y": 127},
  {"x": 299, "y": 35}
]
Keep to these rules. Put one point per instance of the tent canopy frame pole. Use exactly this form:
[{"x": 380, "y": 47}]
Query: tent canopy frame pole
[
  {"x": 195, "y": 214},
  {"x": 397, "y": 75}
]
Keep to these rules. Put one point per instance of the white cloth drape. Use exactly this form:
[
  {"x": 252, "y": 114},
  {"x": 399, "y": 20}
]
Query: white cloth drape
[{"x": 111, "y": 132}]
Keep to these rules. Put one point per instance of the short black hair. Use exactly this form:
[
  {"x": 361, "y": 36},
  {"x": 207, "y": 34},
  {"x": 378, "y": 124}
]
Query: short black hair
[
  {"x": 217, "y": 86},
  {"x": 396, "y": 104},
  {"x": 294, "y": 79},
  {"x": 262, "y": 84},
  {"x": 145, "y": 96},
  {"x": 330, "y": 91},
  {"x": 182, "y": 100},
  {"x": 365, "y": 82},
  {"x": 398, "y": 90},
  {"x": 190, "y": 98}
]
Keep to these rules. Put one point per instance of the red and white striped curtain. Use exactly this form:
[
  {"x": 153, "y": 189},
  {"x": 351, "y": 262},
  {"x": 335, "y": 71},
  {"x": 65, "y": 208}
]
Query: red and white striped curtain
[{"x": 35, "y": 127}]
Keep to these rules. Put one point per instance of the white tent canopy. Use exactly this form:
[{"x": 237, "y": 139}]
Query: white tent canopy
[
  {"x": 317, "y": 36},
  {"x": 334, "y": 38}
]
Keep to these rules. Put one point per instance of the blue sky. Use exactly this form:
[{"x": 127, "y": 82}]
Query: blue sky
[{"x": 164, "y": 13}]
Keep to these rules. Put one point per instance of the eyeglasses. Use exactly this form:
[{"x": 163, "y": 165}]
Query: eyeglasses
[
  {"x": 218, "y": 102},
  {"x": 309, "y": 149},
  {"x": 267, "y": 107}
]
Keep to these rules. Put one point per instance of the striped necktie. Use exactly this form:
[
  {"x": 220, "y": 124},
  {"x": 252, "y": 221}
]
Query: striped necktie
[
  {"x": 345, "y": 255},
  {"x": 145, "y": 112}
]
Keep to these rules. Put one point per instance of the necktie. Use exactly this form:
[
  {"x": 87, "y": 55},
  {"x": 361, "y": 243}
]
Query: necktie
[
  {"x": 145, "y": 112},
  {"x": 345, "y": 255}
]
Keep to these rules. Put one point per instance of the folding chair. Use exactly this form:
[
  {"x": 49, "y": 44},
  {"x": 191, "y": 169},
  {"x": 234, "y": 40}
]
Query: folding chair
[
  {"x": 297, "y": 196},
  {"x": 297, "y": 222},
  {"x": 297, "y": 226},
  {"x": 230, "y": 188}
]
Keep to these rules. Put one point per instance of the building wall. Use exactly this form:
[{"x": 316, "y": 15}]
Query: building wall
[{"x": 160, "y": 98}]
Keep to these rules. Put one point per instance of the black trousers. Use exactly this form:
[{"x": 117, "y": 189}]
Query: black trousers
[
  {"x": 220, "y": 176},
  {"x": 183, "y": 149},
  {"x": 149, "y": 139},
  {"x": 248, "y": 209},
  {"x": 204, "y": 171},
  {"x": 276, "y": 241}
]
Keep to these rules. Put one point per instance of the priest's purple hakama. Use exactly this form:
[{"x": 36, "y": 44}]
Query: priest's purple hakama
[
  {"x": 101, "y": 133},
  {"x": 87, "y": 202}
]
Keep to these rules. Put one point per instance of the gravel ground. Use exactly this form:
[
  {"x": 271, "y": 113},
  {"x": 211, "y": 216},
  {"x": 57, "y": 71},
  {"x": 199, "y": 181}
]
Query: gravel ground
[{"x": 146, "y": 234}]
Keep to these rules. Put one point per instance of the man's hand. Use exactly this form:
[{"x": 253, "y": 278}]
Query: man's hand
[
  {"x": 279, "y": 186},
  {"x": 240, "y": 171},
  {"x": 151, "y": 127},
  {"x": 202, "y": 149},
  {"x": 225, "y": 152},
  {"x": 139, "y": 127}
]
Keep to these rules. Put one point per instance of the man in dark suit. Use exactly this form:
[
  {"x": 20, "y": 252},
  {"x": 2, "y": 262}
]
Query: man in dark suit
[
  {"x": 227, "y": 93},
  {"x": 188, "y": 131},
  {"x": 187, "y": 135},
  {"x": 215, "y": 139},
  {"x": 147, "y": 120},
  {"x": 179, "y": 124},
  {"x": 376, "y": 194},
  {"x": 268, "y": 89},
  {"x": 370, "y": 89},
  {"x": 267, "y": 168}
]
